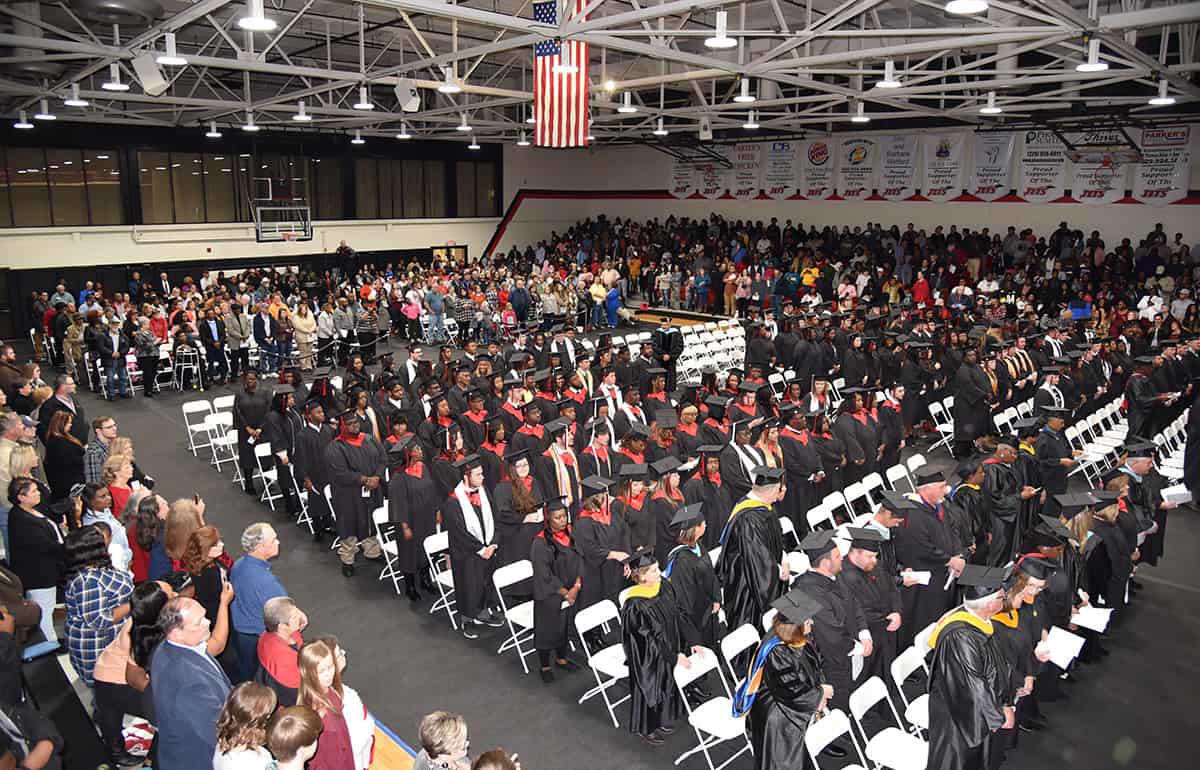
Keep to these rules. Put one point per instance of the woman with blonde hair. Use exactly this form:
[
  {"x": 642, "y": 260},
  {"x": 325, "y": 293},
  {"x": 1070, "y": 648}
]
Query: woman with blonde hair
[
  {"x": 123, "y": 445},
  {"x": 117, "y": 475},
  {"x": 348, "y": 731},
  {"x": 444, "y": 743},
  {"x": 242, "y": 729},
  {"x": 304, "y": 324},
  {"x": 185, "y": 517}
]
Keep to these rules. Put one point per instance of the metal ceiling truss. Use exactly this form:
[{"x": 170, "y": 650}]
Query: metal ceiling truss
[{"x": 808, "y": 62}]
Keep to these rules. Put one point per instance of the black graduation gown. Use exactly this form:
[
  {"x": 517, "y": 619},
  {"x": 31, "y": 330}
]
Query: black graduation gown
[
  {"x": 555, "y": 566},
  {"x": 661, "y": 510},
  {"x": 531, "y": 439},
  {"x": 686, "y": 443},
  {"x": 835, "y": 630},
  {"x": 733, "y": 470},
  {"x": 603, "y": 578},
  {"x": 845, "y": 427},
  {"x": 878, "y": 596},
  {"x": 891, "y": 433},
  {"x": 1147, "y": 497},
  {"x": 492, "y": 458},
  {"x": 281, "y": 429},
  {"x": 1002, "y": 496},
  {"x": 638, "y": 516},
  {"x": 972, "y": 403},
  {"x": 967, "y": 517},
  {"x": 1014, "y": 633},
  {"x": 513, "y": 533},
  {"x": 1140, "y": 403},
  {"x": 800, "y": 461},
  {"x": 967, "y": 694},
  {"x": 717, "y": 504},
  {"x": 914, "y": 379},
  {"x": 1050, "y": 448},
  {"x": 748, "y": 567},
  {"x": 832, "y": 452},
  {"x": 925, "y": 542},
  {"x": 1191, "y": 451},
  {"x": 591, "y": 464},
  {"x": 310, "y": 464},
  {"x": 696, "y": 590},
  {"x": 1029, "y": 474},
  {"x": 346, "y": 465},
  {"x": 415, "y": 501},
  {"x": 787, "y": 698},
  {"x": 652, "y": 641},
  {"x": 1119, "y": 551},
  {"x": 1097, "y": 569},
  {"x": 472, "y": 573},
  {"x": 473, "y": 430}
]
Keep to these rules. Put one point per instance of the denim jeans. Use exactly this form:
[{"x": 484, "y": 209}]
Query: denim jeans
[
  {"x": 268, "y": 357},
  {"x": 45, "y": 598},
  {"x": 4, "y": 509},
  {"x": 114, "y": 370},
  {"x": 437, "y": 326}
]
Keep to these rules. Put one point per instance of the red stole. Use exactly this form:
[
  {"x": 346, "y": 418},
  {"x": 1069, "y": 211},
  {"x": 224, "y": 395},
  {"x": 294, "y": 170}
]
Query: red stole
[
  {"x": 688, "y": 429},
  {"x": 637, "y": 458}
]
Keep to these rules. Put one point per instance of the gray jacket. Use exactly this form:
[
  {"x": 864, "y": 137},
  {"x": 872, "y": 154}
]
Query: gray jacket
[{"x": 238, "y": 328}]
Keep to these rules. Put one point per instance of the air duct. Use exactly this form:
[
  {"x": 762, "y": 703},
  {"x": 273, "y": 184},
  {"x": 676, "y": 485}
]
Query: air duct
[
  {"x": 127, "y": 13},
  {"x": 28, "y": 27}
]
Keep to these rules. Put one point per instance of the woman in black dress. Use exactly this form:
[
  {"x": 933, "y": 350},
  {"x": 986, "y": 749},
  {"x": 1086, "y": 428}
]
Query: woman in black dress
[
  {"x": 832, "y": 453},
  {"x": 415, "y": 506},
  {"x": 491, "y": 452},
  {"x": 602, "y": 538},
  {"x": 691, "y": 572},
  {"x": 666, "y": 500},
  {"x": 632, "y": 504},
  {"x": 557, "y": 581},
  {"x": 517, "y": 504}
]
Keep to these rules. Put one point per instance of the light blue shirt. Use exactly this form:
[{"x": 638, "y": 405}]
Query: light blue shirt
[{"x": 120, "y": 539}]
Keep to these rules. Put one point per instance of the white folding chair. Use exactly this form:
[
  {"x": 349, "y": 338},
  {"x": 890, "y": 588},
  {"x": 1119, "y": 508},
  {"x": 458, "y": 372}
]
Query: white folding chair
[
  {"x": 217, "y": 425},
  {"x": 712, "y": 720},
  {"x": 1025, "y": 408},
  {"x": 896, "y": 474},
  {"x": 269, "y": 476},
  {"x": 520, "y": 617},
  {"x": 785, "y": 524},
  {"x": 824, "y": 731},
  {"x": 872, "y": 483},
  {"x": 386, "y": 534},
  {"x": 820, "y": 514},
  {"x": 437, "y": 556},
  {"x": 944, "y": 423},
  {"x": 835, "y": 500},
  {"x": 734, "y": 644},
  {"x": 921, "y": 641},
  {"x": 891, "y": 747},
  {"x": 916, "y": 711},
  {"x": 608, "y": 664},
  {"x": 196, "y": 411},
  {"x": 768, "y": 619},
  {"x": 223, "y": 403},
  {"x": 853, "y": 492},
  {"x": 911, "y": 465},
  {"x": 798, "y": 563},
  {"x": 225, "y": 450}
]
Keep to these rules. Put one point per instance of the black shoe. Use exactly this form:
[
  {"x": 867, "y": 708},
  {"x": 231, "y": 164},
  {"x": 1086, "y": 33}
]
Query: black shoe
[
  {"x": 1135, "y": 584},
  {"x": 834, "y": 750},
  {"x": 567, "y": 665},
  {"x": 125, "y": 759},
  {"x": 653, "y": 739},
  {"x": 489, "y": 620},
  {"x": 468, "y": 632},
  {"x": 250, "y": 491},
  {"x": 348, "y": 570},
  {"x": 426, "y": 582},
  {"x": 412, "y": 593},
  {"x": 1030, "y": 725},
  {"x": 318, "y": 536},
  {"x": 665, "y": 730},
  {"x": 547, "y": 676}
]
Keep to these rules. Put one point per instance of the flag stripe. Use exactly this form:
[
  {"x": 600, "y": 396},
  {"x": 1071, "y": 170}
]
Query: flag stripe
[{"x": 560, "y": 99}]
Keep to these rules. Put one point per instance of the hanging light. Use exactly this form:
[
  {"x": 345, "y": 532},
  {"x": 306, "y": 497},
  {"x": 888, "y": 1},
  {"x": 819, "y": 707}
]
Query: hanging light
[
  {"x": 610, "y": 85},
  {"x": 590, "y": 136},
  {"x": 358, "y": 137},
  {"x": 212, "y": 132},
  {"x": 114, "y": 79},
  {"x": 74, "y": 100},
  {"x": 523, "y": 141},
  {"x": 170, "y": 56},
  {"x": 1093, "y": 63},
  {"x": 257, "y": 21},
  {"x": 403, "y": 132},
  {"x": 991, "y": 108},
  {"x": 861, "y": 115},
  {"x": 474, "y": 145},
  {"x": 23, "y": 121},
  {"x": 627, "y": 107},
  {"x": 1163, "y": 99},
  {"x": 751, "y": 123},
  {"x": 301, "y": 116},
  {"x": 364, "y": 99},
  {"x": 565, "y": 66},
  {"x": 450, "y": 85},
  {"x": 745, "y": 97},
  {"x": 530, "y": 119},
  {"x": 464, "y": 126},
  {"x": 44, "y": 113},
  {"x": 889, "y": 76},
  {"x": 660, "y": 131},
  {"x": 249, "y": 124},
  {"x": 964, "y": 7},
  {"x": 720, "y": 39}
]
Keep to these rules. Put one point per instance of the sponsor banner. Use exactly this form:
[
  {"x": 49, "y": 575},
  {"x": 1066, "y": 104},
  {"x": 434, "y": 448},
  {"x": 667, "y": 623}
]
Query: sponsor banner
[
  {"x": 856, "y": 168},
  {"x": 684, "y": 178},
  {"x": 944, "y": 161},
  {"x": 747, "y": 170},
  {"x": 818, "y": 162},
  {"x": 898, "y": 167},
  {"x": 1097, "y": 183},
  {"x": 1164, "y": 175},
  {"x": 1043, "y": 176},
  {"x": 716, "y": 179},
  {"x": 991, "y": 174},
  {"x": 780, "y": 169}
]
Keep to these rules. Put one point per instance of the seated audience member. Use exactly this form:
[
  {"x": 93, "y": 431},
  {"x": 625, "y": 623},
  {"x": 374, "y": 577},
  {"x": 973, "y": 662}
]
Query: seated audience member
[
  {"x": 279, "y": 648},
  {"x": 292, "y": 736},
  {"x": 242, "y": 729},
  {"x": 29, "y": 738},
  {"x": 443, "y": 742}
]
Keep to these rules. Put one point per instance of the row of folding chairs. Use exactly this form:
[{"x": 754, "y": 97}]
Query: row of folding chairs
[
  {"x": 1171, "y": 442},
  {"x": 1004, "y": 421},
  {"x": 1101, "y": 438}
]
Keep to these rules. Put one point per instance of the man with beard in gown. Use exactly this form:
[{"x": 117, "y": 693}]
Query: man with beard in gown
[
  {"x": 602, "y": 538},
  {"x": 707, "y": 487},
  {"x": 785, "y": 687},
  {"x": 752, "y": 567},
  {"x": 414, "y": 505},
  {"x": 691, "y": 572},
  {"x": 926, "y": 543},
  {"x": 310, "y": 468},
  {"x": 557, "y": 581},
  {"x": 467, "y": 516},
  {"x": 355, "y": 462},
  {"x": 876, "y": 591},
  {"x": 1145, "y": 500},
  {"x": 968, "y": 677}
]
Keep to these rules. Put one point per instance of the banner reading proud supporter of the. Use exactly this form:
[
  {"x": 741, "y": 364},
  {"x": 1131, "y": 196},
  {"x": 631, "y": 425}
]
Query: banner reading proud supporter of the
[
  {"x": 857, "y": 160},
  {"x": 747, "y": 170},
  {"x": 818, "y": 161},
  {"x": 944, "y": 158},
  {"x": 781, "y": 169},
  {"x": 991, "y": 169},
  {"x": 1163, "y": 175},
  {"x": 1043, "y": 164},
  {"x": 898, "y": 167}
]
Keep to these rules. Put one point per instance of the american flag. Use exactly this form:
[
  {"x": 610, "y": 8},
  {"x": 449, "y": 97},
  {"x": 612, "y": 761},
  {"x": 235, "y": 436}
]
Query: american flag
[{"x": 560, "y": 100}]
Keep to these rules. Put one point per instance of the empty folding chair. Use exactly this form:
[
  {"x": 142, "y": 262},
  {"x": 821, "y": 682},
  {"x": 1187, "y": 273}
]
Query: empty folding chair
[
  {"x": 872, "y": 484},
  {"x": 789, "y": 528},
  {"x": 798, "y": 563},
  {"x": 824, "y": 731},
  {"x": 712, "y": 720},
  {"x": 820, "y": 515},
  {"x": 921, "y": 641},
  {"x": 270, "y": 476},
  {"x": 520, "y": 617},
  {"x": 1025, "y": 408},
  {"x": 891, "y": 747},
  {"x": 914, "y": 462},
  {"x": 768, "y": 619},
  {"x": 437, "y": 556},
  {"x": 835, "y": 501},
  {"x": 387, "y": 543},
  {"x": 223, "y": 403},
  {"x": 216, "y": 426},
  {"x": 194, "y": 413},
  {"x": 896, "y": 475},
  {"x": 608, "y": 664},
  {"x": 734, "y": 644},
  {"x": 916, "y": 711},
  {"x": 224, "y": 449},
  {"x": 854, "y": 493},
  {"x": 944, "y": 423}
]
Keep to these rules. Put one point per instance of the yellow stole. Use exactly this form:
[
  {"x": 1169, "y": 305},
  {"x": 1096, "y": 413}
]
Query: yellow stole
[
  {"x": 643, "y": 592},
  {"x": 1008, "y": 619},
  {"x": 743, "y": 505},
  {"x": 958, "y": 616}
]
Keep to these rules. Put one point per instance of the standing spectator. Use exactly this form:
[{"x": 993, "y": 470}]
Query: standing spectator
[
  {"x": 349, "y": 731},
  {"x": 119, "y": 680},
  {"x": 104, "y": 430},
  {"x": 212, "y": 337},
  {"x": 64, "y": 456},
  {"x": 145, "y": 346},
  {"x": 326, "y": 331},
  {"x": 97, "y": 509},
  {"x": 266, "y": 333},
  {"x": 343, "y": 324},
  {"x": 202, "y": 560},
  {"x": 63, "y": 399},
  {"x": 436, "y": 307},
  {"x": 242, "y": 729},
  {"x": 443, "y": 742},
  {"x": 238, "y": 332},
  {"x": 113, "y": 346},
  {"x": 279, "y": 648},
  {"x": 304, "y": 325},
  {"x": 253, "y": 584},
  {"x": 145, "y": 526},
  {"x": 97, "y": 598},
  {"x": 37, "y": 550},
  {"x": 189, "y": 688},
  {"x": 292, "y": 737},
  {"x": 118, "y": 472}
]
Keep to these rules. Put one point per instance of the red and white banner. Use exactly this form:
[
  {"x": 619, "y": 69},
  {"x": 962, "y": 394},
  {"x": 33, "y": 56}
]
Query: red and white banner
[
  {"x": 1043, "y": 167},
  {"x": 945, "y": 157},
  {"x": 818, "y": 162},
  {"x": 1164, "y": 174},
  {"x": 1100, "y": 182},
  {"x": 898, "y": 167},
  {"x": 560, "y": 99},
  {"x": 857, "y": 161},
  {"x": 683, "y": 179},
  {"x": 991, "y": 173},
  {"x": 747, "y": 169}
]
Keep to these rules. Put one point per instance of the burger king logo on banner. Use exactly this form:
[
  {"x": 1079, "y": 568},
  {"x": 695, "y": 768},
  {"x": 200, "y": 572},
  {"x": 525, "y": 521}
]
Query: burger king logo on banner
[{"x": 818, "y": 153}]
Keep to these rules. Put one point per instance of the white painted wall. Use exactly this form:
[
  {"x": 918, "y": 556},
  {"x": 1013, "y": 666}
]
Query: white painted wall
[{"x": 37, "y": 247}]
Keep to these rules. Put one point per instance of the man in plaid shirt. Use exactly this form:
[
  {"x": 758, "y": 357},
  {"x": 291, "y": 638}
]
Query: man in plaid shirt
[{"x": 104, "y": 430}]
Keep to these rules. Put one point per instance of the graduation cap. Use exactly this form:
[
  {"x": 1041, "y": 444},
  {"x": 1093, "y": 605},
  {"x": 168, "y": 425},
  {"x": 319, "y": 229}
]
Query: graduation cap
[
  {"x": 1052, "y": 527},
  {"x": 1026, "y": 425},
  {"x": 1148, "y": 360},
  {"x": 596, "y": 485},
  {"x": 1056, "y": 411},
  {"x": 1144, "y": 449},
  {"x": 687, "y": 517},
  {"x": 398, "y": 449},
  {"x": 1072, "y": 504},
  {"x": 556, "y": 503},
  {"x": 1036, "y": 568},
  {"x": 664, "y": 466},
  {"x": 433, "y": 400},
  {"x": 468, "y": 463},
  {"x": 666, "y": 418},
  {"x": 345, "y": 414},
  {"x": 981, "y": 582},
  {"x": 897, "y": 503},
  {"x": 1105, "y": 496},
  {"x": 925, "y": 477},
  {"x": 565, "y": 403},
  {"x": 512, "y": 456},
  {"x": 641, "y": 558},
  {"x": 740, "y": 425},
  {"x": 710, "y": 449},
  {"x": 796, "y": 606},
  {"x": 656, "y": 371},
  {"x": 597, "y": 426},
  {"x": 716, "y": 407},
  {"x": 817, "y": 543},
  {"x": 283, "y": 390},
  {"x": 866, "y": 539},
  {"x": 634, "y": 472},
  {"x": 322, "y": 372},
  {"x": 556, "y": 427},
  {"x": 749, "y": 387},
  {"x": 531, "y": 405},
  {"x": 736, "y": 371},
  {"x": 542, "y": 374},
  {"x": 637, "y": 430},
  {"x": 762, "y": 475}
]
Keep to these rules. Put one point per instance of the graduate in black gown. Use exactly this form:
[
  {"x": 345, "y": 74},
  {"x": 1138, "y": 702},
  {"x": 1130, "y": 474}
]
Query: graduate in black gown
[
  {"x": 1004, "y": 495},
  {"x": 784, "y": 687},
  {"x": 927, "y": 543},
  {"x": 653, "y": 642},
  {"x": 492, "y": 450},
  {"x": 832, "y": 452},
  {"x": 664, "y": 502},
  {"x": 310, "y": 470},
  {"x": 966, "y": 512},
  {"x": 891, "y": 427},
  {"x": 596, "y": 457},
  {"x": 1145, "y": 501},
  {"x": 415, "y": 507},
  {"x": 1110, "y": 568},
  {"x": 467, "y": 516},
  {"x": 557, "y": 583},
  {"x": 969, "y": 697},
  {"x": 849, "y": 431},
  {"x": 602, "y": 538},
  {"x": 355, "y": 462},
  {"x": 691, "y": 572},
  {"x": 752, "y": 567},
  {"x": 1055, "y": 456},
  {"x": 705, "y": 486},
  {"x": 739, "y": 458},
  {"x": 1028, "y": 471},
  {"x": 877, "y": 593},
  {"x": 517, "y": 505},
  {"x": 632, "y": 504},
  {"x": 280, "y": 428},
  {"x": 1016, "y": 630},
  {"x": 802, "y": 464}
]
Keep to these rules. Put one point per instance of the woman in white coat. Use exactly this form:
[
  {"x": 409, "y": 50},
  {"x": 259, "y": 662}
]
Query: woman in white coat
[{"x": 348, "y": 734}]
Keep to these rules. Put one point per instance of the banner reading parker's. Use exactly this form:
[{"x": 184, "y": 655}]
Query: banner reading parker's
[{"x": 1164, "y": 174}]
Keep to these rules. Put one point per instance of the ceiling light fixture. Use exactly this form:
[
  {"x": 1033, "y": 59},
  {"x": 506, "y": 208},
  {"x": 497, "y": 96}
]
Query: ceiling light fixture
[
  {"x": 720, "y": 39},
  {"x": 114, "y": 79},
  {"x": 212, "y": 132},
  {"x": 404, "y": 132},
  {"x": 23, "y": 121},
  {"x": 523, "y": 141},
  {"x": 1163, "y": 99},
  {"x": 964, "y": 7},
  {"x": 44, "y": 113},
  {"x": 660, "y": 131},
  {"x": 249, "y": 124},
  {"x": 745, "y": 97},
  {"x": 257, "y": 21},
  {"x": 861, "y": 115},
  {"x": 889, "y": 76},
  {"x": 464, "y": 126},
  {"x": 565, "y": 66},
  {"x": 751, "y": 123},
  {"x": 627, "y": 107},
  {"x": 530, "y": 119},
  {"x": 170, "y": 56},
  {"x": 610, "y": 85},
  {"x": 474, "y": 145},
  {"x": 1093, "y": 63},
  {"x": 75, "y": 100},
  {"x": 301, "y": 116},
  {"x": 991, "y": 108},
  {"x": 364, "y": 99},
  {"x": 358, "y": 137},
  {"x": 450, "y": 84}
]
